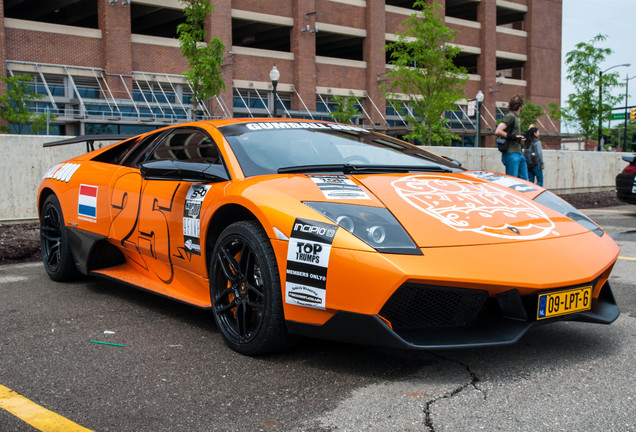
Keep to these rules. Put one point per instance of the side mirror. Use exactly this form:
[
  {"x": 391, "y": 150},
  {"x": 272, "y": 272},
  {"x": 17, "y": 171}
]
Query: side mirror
[
  {"x": 455, "y": 161},
  {"x": 186, "y": 171}
]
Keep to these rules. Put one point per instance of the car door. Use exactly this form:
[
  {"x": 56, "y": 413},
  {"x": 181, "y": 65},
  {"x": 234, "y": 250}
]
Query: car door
[{"x": 157, "y": 219}]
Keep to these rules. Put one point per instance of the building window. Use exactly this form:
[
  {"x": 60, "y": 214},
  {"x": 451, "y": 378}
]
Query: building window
[
  {"x": 407, "y": 4},
  {"x": 462, "y": 9},
  {"x": 154, "y": 20},
  {"x": 255, "y": 34},
  {"x": 326, "y": 104},
  {"x": 510, "y": 17},
  {"x": 78, "y": 13},
  {"x": 253, "y": 102},
  {"x": 339, "y": 46}
]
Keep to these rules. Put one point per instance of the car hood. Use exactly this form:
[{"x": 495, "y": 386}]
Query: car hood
[{"x": 469, "y": 208}]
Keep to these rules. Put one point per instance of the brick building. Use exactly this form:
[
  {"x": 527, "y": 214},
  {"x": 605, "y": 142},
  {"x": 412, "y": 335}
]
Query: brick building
[{"x": 115, "y": 65}]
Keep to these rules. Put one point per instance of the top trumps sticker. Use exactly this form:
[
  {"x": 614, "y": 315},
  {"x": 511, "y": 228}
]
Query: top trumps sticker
[{"x": 307, "y": 262}]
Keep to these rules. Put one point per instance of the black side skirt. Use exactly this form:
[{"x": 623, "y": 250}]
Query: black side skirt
[{"x": 92, "y": 251}]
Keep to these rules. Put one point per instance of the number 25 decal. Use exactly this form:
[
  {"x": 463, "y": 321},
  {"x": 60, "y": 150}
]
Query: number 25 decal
[{"x": 140, "y": 221}]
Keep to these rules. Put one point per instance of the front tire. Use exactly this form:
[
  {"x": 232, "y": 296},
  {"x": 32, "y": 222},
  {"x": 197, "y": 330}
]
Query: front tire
[
  {"x": 246, "y": 291},
  {"x": 54, "y": 242}
]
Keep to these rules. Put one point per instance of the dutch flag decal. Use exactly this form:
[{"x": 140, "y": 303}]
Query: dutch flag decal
[{"x": 87, "y": 201}]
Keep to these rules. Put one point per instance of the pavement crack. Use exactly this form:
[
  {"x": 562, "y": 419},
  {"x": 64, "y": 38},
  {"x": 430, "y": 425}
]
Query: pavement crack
[{"x": 474, "y": 379}]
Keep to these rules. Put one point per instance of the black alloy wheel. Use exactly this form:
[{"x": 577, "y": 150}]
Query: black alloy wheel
[
  {"x": 56, "y": 252},
  {"x": 246, "y": 291}
]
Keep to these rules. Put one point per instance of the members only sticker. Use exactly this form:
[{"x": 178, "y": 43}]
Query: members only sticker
[
  {"x": 191, "y": 218},
  {"x": 338, "y": 187},
  {"x": 307, "y": 262}
]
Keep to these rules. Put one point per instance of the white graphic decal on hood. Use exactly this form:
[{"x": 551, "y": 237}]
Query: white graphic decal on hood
[{"x": 479, "y": 207}]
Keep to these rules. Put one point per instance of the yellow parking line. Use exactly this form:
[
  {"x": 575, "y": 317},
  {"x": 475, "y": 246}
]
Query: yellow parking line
[
  {"x": 627, "y": 258},
  {"x": 35, "y": 415}
]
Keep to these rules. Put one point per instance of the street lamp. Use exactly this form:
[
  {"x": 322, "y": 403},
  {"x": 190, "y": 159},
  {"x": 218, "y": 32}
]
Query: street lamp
[
  {"x": 479, "y": 98},
  {"x": 627, "y": 78},
  {"x": 274, "y": 74},
  {"x": 600, "y": 100}
]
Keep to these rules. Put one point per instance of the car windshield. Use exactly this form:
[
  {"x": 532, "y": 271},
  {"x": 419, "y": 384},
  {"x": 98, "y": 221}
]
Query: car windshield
[{"x": 278, "y": 147}]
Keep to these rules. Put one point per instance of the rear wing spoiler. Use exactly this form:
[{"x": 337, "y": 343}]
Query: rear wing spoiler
[
  {"x": 89, "y": 140},
  {"x": 629, "y": 158}
]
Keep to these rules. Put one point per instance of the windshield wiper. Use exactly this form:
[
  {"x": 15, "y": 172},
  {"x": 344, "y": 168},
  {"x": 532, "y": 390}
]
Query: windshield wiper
[{"x": 350, "y": 168}]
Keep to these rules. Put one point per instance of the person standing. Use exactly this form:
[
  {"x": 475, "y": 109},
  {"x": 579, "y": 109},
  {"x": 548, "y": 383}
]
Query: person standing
[
  {"x": 510, "y": 128},
  {"x": 534, "y": 156}
]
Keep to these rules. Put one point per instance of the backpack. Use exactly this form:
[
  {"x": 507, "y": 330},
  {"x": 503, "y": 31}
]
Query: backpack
[
  {"x": 531, "y": 154},
  {"x": 503, "y": 143}
]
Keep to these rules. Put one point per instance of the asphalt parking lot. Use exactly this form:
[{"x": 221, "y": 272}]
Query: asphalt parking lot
[{"x": 170, "y": 370}]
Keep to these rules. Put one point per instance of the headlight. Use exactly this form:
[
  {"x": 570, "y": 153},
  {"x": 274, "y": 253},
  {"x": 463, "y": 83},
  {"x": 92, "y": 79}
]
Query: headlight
[
  {"x": 375, "y": 226},
  {"x": 552, "y": 201}
]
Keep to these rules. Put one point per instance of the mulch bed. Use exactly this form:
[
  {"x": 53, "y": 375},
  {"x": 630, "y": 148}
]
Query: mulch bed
[{"x": 19, "y": 242}]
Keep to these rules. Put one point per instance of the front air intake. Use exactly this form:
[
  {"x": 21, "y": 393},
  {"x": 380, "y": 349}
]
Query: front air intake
[{"x": 415, "y": 306}]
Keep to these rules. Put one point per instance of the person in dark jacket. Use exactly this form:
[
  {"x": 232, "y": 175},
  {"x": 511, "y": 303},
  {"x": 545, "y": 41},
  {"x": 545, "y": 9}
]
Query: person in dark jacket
[{"x": 533, "y": 153}]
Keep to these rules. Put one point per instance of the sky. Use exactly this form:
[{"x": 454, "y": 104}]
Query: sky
[{"x": 584, "y": 19}]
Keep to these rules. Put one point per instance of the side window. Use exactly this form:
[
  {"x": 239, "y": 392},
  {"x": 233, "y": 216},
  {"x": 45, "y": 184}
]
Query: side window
[
  {"x": 135, "y": 154},
  {"x": 187, "y": 145}
]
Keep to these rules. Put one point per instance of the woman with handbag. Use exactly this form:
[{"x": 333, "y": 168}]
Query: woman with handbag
[{"x": 510, "y": 129}]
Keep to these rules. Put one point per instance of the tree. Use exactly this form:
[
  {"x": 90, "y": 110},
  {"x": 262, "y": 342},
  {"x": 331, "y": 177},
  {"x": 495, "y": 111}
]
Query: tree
[
  {"x": 617, "y": 135},
  {"x": 583, "y": 106},
  {"x": 345, "y": 109},
  {"x": 529, "y": 115},
  {"x": 423, "y": 70},
  {"x": 204, "y": 59},
  {"x": 16, "y": 106}
]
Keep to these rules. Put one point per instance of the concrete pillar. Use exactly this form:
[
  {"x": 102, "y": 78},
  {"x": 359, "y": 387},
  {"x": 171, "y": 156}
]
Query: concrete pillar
[
  {"x": 3, "y": 54},
  {"x": 114, "y": 22},
  {"x": 219, "y": 25},
  {"x": 543, "y": 24},
  {"x": 375, "y": 57},
  {"x": 3, "y": 45},
  {"x": 487, "y": 62},
  {"x": 304, "y": 43}
]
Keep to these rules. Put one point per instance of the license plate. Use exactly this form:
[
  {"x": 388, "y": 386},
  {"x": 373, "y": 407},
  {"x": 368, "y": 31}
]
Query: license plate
[{"x": 564, "y": 302}]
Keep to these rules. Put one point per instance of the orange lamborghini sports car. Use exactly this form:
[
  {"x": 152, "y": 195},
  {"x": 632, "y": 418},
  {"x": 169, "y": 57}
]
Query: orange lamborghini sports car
[{"x": 288, "y": 228}]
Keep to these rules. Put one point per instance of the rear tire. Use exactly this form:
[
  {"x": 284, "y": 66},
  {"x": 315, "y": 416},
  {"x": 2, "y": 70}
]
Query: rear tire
[
  {"x": 56, "y": 251},
  {"x": 246, "y": 292}
]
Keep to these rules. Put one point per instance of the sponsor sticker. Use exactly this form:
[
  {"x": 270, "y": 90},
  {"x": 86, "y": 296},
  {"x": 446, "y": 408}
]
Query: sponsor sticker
[
  {"x": 191, "y": 218},
  {"x": 302, "y": 125},
  {"x": 87, "y": 203},
  {"x": 307, "y": 263},
  {"x": 62, "y": 172},
  {"x": 502, "y": 181},
  {"x": 338, "y": 187}
]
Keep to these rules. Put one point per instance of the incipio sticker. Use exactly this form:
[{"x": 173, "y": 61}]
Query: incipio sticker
[
  {"x": 338, "y": 187},
  {"x": 87, "y": 203},
  {"x": 508, "y": 182},
  {"x": 191, "y": 218},
  {"x": 307, "y": 262}
]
